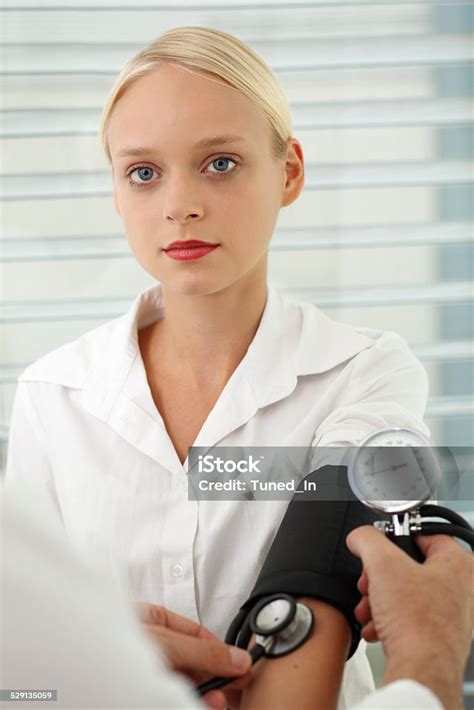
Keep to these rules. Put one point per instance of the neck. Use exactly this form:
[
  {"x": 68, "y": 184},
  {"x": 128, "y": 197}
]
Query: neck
[{"x": 209, "y": 334}]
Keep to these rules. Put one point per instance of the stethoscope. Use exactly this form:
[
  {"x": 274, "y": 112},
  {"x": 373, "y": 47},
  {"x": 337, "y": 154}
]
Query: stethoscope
[{"x": 280, "y": 624}]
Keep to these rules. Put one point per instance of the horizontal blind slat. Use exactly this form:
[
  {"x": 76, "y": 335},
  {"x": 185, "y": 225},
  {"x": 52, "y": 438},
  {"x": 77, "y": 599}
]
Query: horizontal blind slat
[
  {"x": 116, "y": 25},
  {"x": 289, "y": 55},
  {"x": 438, "y": 293},
  {"x": 445, "y": 407},
  {"x": 184, "y": 5}
]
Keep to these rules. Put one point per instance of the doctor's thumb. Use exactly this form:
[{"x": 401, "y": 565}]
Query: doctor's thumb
[
  {"x": 208, "y": 656},
  {"x": 375, "y": 551}
]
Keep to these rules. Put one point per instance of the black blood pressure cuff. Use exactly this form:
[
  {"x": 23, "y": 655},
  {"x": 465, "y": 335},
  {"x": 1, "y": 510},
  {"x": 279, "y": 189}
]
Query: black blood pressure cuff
[{"x": 309, "y": 556}]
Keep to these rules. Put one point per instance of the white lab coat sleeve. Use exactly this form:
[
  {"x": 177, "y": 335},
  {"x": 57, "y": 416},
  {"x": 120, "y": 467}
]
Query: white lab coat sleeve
[
  {"x": 67, "y": 626},
  {"x": 400, "y": 695},
  {"x": 388, "y": 387},
  {"x": 28, "y": 458}
]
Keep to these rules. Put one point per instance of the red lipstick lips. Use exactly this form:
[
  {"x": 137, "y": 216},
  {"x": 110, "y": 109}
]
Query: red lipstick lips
[
  {"x": 188, "y": 243},
  {"x": 189, "y": 249}
]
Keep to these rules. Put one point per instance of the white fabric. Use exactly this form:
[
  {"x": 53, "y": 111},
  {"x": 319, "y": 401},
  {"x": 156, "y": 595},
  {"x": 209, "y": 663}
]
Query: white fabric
[
  {"x": 75, "y": 632},
  {"x": 65, "y": 626},
  {"x": 401, "y": 695},
  {"x": 84, "y": 423}
]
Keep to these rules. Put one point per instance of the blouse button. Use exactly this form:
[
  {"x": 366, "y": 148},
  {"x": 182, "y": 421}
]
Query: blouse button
[{"x": 178, "y": 570}]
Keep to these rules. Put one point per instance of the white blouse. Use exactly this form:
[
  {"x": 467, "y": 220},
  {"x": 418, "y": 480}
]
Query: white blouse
[{"x": 84, "y": 423}]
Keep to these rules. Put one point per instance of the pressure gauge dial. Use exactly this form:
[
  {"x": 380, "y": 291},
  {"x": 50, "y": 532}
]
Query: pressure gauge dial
[{"x": 394, "y": 470}]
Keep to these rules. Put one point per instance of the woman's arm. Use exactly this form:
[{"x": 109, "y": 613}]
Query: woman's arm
[{"x": 311, "y": 676}]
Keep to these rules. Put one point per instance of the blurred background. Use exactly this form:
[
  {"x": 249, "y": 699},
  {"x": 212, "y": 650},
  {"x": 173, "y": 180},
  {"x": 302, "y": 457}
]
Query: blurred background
[{"x": 381, "y": 236}]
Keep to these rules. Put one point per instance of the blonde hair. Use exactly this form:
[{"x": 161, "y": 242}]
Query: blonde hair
[{"x": 204, "y": 49}]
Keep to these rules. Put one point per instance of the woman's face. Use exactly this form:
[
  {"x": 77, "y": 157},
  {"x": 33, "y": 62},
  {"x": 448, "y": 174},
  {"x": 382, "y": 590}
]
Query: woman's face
[{"x": 227, "y": 194}]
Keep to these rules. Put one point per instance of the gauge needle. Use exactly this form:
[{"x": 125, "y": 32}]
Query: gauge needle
[{"x": 392, "y": 468}]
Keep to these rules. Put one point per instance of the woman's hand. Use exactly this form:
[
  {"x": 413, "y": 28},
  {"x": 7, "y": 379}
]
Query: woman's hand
[{"x": 193, "y": 650}]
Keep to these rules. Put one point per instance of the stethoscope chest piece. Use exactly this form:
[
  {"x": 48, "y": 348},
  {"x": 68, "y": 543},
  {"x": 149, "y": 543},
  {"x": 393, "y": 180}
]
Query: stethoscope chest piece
[{"x": 283, "y": 621}]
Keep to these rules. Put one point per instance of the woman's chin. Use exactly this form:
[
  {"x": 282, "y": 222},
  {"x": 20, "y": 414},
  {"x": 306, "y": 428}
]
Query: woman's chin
[{"x": 194, "y": 285}]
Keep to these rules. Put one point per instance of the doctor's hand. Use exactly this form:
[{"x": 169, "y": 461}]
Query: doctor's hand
[
  {"x": 195, "y": 651},
  {"x": 423, "y": 614}
]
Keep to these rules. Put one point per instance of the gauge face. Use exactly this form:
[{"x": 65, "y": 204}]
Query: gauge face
[{"x": 394, "y": 470}]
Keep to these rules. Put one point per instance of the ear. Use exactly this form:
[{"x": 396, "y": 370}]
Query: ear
[{"x": 294, "y": 173}]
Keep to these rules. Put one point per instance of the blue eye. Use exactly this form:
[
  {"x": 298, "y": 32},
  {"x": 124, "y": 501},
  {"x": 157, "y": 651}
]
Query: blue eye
[
  {"x": 145, "y": 172},
  {"x": 145, "y": 176},
  {"x": 222, "y": 159}
]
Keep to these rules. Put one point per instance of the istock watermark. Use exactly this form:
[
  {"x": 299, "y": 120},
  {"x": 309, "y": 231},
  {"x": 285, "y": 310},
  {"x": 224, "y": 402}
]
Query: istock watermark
[
  {"x": 321, "y": 473},
  {"x": 212, "y": 464},
  {"x": 238, "y": 473}
]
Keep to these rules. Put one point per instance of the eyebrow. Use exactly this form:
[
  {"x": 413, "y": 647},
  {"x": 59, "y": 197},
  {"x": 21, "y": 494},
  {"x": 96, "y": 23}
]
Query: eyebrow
[{"x": 203, "y": 143}]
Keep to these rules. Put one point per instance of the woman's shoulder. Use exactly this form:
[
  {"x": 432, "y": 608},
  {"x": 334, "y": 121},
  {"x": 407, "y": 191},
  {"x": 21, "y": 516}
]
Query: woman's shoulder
[
  {"x": 69, "y": 364},
  {"x": 326, "y": 341}
]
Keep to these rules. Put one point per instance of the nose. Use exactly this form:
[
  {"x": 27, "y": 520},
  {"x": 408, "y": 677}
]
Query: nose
[
  {"x": 183, "y": 217},
  {"x": 181, "y": 204}
]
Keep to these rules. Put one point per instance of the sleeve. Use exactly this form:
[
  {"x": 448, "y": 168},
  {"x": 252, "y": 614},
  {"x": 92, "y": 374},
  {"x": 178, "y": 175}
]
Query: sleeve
[
  {"x": 388, "y": 387},
  {"x": 77, "y": 633},
  {"x": 400, "y": 694},
  {"x": 28, "y": 459}
]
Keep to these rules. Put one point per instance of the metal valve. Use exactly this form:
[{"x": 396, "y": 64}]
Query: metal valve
[{"x": 401, "y": 524}]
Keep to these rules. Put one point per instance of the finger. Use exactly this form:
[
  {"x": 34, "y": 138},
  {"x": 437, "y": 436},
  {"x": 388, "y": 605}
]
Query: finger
[
  {"x": 362, "y": 611},
  {"x": 157, "y": 615},
  {"x": 375, "y": 550},
  {"x": 238, "y": 683},
  {"x": 233, "y": 698},
  {"x": 149, "y": 613},
  {"x": 215, "y": 699},
  {"x": 198, "y": 655},
  {"x": 437, "y": 545},
  {"x": 241, "y": 682},
  {"x": 363, "y": 583},
  {"x": 233, "y": 691},
  {"x": 369, "y": 633}
]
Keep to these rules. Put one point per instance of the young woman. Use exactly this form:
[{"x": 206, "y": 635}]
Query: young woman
[{"x": 199, "y": 138}]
